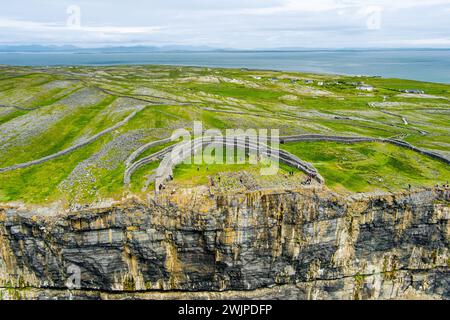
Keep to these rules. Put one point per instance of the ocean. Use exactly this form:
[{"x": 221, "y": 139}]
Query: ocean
[{"x": 424, "y": 65}]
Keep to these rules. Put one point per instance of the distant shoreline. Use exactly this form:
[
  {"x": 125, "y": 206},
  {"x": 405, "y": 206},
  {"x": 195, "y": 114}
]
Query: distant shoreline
[{"x": 429, "y": 65}]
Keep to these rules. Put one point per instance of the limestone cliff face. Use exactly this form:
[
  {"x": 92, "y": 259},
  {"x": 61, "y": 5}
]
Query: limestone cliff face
[{"x": 297, "y": 244}]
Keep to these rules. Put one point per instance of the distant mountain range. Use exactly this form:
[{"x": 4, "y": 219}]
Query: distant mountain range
[
  {"x": 116, "y": 49},
  {"x": 165, "y": 48}
]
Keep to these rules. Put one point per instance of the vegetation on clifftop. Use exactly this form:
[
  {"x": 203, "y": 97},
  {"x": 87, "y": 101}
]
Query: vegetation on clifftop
[{"x": 45, "y": 111}]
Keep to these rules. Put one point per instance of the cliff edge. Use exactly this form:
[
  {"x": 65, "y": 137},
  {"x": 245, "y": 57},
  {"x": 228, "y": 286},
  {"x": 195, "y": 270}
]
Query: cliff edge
[{"x": 274, "y": 244}]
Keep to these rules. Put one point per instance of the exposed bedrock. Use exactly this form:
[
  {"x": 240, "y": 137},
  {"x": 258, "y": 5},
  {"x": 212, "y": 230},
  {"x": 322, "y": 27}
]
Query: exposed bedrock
[{"x": 278, "y": 244}]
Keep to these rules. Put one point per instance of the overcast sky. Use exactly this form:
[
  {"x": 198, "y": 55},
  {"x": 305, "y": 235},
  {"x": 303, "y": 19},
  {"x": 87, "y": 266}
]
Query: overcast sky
[{"x": 242, "y": 24}]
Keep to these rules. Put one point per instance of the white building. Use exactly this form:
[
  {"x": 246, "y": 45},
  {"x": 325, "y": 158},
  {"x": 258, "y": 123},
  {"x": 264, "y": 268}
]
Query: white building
[
  {"x": 365, "y": 88},
  {"x": 414, "y": 91}
]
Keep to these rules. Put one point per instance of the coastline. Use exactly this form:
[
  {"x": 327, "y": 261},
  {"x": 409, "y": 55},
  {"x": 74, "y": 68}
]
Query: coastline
[{"x": 415, "y": 65}]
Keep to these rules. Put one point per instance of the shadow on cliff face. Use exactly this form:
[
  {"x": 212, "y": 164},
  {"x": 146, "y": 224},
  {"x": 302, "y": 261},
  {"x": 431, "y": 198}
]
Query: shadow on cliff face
[{"x": 297, "y": 244}]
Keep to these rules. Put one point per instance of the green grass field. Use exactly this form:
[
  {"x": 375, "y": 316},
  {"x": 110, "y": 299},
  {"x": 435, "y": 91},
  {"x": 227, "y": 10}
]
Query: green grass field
[
  {"x": 62, "y": 107},
  {"x": 368, "y": 167}
]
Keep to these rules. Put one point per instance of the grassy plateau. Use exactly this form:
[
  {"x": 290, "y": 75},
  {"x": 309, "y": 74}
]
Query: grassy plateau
[{"x": 101, "y": 115}]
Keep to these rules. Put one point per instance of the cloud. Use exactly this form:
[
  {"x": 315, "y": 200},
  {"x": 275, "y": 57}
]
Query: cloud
[
  {"x": 427, "y": 42},
  {"x": 408, "y": 4},
  {"x": 55, "y": 27},
  {"x": 21, "y": 24},
  {"x": 231, "y": 23},
  {"x": 122, "y": 30},
  {"x": 295, "y": 6},
  {"x": 291, "y": 6}
]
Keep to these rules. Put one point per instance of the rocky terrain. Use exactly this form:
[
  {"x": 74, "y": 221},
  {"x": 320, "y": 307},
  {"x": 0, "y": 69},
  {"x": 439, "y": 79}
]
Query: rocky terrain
[
  {"x": 277, "y": 244},
  {"x": 92, "y": 207}
]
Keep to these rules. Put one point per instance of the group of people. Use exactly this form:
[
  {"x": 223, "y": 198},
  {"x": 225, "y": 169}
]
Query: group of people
[
  {"x": 445, "y": 186},
  {"x": 309, "y": 179}
]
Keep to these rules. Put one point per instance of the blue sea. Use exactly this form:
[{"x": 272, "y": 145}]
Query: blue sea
[{"x": 425, "y": 65}]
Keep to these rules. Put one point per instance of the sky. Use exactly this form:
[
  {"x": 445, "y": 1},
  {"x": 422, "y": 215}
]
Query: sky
[{"x": 239, "y": 24}]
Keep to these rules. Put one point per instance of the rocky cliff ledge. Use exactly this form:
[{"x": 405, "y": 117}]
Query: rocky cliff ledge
[{"x": 296, "y": 244}]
